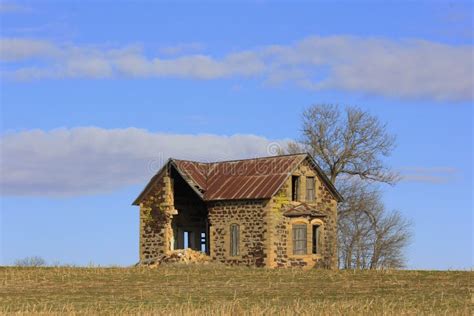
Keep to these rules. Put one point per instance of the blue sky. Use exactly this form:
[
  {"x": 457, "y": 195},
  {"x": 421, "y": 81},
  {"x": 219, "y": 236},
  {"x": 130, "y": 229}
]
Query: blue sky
[{"x": 95, "y": 95}]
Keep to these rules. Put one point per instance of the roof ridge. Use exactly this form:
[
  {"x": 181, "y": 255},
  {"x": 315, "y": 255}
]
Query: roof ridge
[
  {"x": 244, "y": 159},
  {"x": 268, "y": 178}
]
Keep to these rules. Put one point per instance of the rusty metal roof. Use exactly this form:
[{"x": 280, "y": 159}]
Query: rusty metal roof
[{"x": 257, "y": 178}]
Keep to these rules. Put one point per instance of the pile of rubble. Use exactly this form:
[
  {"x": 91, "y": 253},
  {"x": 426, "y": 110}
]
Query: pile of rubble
[{"x": 184, "y": 256}]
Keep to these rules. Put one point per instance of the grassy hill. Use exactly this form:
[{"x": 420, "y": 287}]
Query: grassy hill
[{"x": 214, "y": 289}]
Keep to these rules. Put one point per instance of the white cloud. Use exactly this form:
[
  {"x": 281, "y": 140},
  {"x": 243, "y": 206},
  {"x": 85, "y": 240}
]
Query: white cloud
[
  {"x": 405, "y": 68},
  {"x": 88, "y": 160}
]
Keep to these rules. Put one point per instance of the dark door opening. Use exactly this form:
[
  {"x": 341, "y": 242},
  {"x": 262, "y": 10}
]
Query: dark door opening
[{"x": 190, "y": 223}]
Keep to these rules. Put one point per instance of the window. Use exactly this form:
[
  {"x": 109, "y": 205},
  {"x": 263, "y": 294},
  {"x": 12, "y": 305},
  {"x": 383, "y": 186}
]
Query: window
[
  {"x": 310, "y": 189},
  {"x": 299, "y": 239},
  {"x": 234, "y": 240},
  {"x": 203, "y": 242},
  {"x": 187, "y": 240},
  {"x": 315, "y": 238},
  {"x": 295, "y": 183}
]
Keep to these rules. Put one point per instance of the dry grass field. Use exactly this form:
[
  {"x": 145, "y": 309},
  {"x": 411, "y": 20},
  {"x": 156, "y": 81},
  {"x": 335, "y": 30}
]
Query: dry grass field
[{"x": 214, "y": 289}]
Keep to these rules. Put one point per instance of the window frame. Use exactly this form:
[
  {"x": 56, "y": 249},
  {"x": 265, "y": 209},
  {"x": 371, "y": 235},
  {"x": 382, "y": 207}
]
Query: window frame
[
  {"x": 311, "y": 180},
  {"x": 234, "y": 233},
  {"x": 302, "y": 250}
]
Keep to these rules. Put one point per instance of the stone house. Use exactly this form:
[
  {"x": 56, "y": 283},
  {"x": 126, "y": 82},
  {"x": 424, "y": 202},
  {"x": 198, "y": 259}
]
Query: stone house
[{"x": 268, "y": 212}]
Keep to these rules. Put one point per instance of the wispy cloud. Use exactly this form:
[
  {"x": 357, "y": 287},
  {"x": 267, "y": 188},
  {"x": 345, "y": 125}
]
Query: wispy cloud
[
  {"x": 88, "y": 160},
  {"x": 434, "y": 175},
  {"x": 403, "y": 69},
  {"x": 9, "y": 7},
  {"x": 16, "y": 49}
]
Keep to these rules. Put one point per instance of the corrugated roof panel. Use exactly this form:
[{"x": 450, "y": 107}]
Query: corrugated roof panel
[
  {"x": 268, "y": 182},
  {"x": 259, "y": 190},
  {"x": 248, "y": 186},
  {"x": 255, "y": 190},
  {"x": 231, "y": 188},
  {"x": 275, "y": 185},
  {"x": 221, "y": 189}
]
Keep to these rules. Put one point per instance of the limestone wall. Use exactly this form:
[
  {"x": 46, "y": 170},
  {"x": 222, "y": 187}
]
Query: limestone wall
[
  {"x": 155, "y": 220},
  {"x": 280, "y": 242},
  {"x": 251, "y": 218}
]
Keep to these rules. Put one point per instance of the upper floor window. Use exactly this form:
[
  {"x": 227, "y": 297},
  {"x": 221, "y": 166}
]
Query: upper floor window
[
  {"x": 295, "y": 187},
  {"x": 234, "y": 240},
  {"x": 299, "y": 239},
  {"x": 310, "y": 196}
]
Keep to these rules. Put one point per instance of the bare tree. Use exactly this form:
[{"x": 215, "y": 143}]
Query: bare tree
[
  {"x": 351, "y": 142},
  {"x": 369, "y": 236},
  {"x": 34, "y": 261},
  {"x": 391, "y": 236},
  {"x": 350, "y": 146},
  {"x": 354, "y": 224}
]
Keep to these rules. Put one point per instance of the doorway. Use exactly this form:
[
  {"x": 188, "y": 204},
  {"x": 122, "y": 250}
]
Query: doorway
[{"x": 190, "y": 226}]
